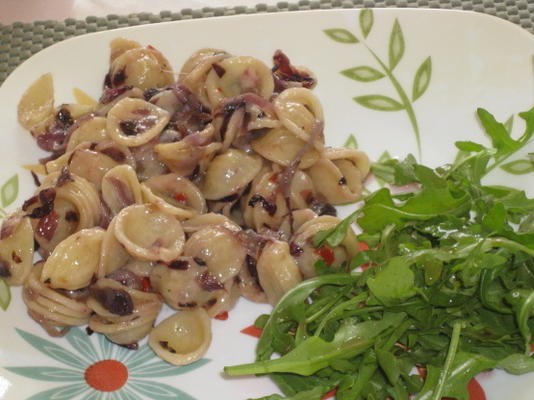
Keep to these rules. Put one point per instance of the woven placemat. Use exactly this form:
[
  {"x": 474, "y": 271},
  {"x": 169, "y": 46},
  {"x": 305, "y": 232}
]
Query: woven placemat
[{"x": 19, "y": 41}]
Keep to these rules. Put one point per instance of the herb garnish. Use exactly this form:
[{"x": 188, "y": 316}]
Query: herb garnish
[{"x": 451, "y": 289}]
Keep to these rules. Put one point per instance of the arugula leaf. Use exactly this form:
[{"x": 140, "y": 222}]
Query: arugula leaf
[
  {"x": 312, "y": 394},
  {"x": 333, "y": 237},
  {"x": 394, "y": 282},
  {"x": 500, "y": 137}
]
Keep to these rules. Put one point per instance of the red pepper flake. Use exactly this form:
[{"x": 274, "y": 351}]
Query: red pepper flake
[
  {"x": 475, "y": 390},
  {"x": 223, "y": 316},
  {"x": 327, "y": 254},
  {"x": 367, "y": 266},
  {"x": 273, "y": 178},
  {"x": 145, "y": 284},
  {"x": 252, "y": 331},
  {"x": 329, "y": 394},
  {"x": 362, "y": 246},
  {"x": 181, "y": 197}
]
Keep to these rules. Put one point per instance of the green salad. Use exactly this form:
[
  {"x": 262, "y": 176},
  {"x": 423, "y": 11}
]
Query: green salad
[{"x": 446, "y": 288}]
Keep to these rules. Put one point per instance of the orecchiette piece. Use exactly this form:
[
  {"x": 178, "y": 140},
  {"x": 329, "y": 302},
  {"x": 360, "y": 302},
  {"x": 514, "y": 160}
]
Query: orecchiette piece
[
  {"x": 230, "y": 172},
  {"x": 182, "y": 338},
  {"x": 150, "y": 198},
  {"x": 298, "y": 109},
  {"x": 277, "y": 270},
  {"x": 134, "y": 122},
  {"x": 236, "y": 75},
  {"x": 149, "y": 234},
  {"x": 92, "y": 130},
  {"x": 339, "y": 175},
  {"x": 265, "y": 206},
  {"x": 65, "y": 203},
  {"x": 16, "y": 249},
  {"x": 113, "y": 255},
  {"x": 73, "y": 263},
  {"x": 282, "y": 147},
  {"x": 120, "y": 45},
  {"x": 120, "y": 188},
  {"x": 185, "y": 284},
  {"x": 220, "y": 249},
  {"x": 195, "y": 71},
  {"x": 199, "y": 222},
  {"x": 178, "y": 191},
  {"x": 37, "y": 104},
  {"x": 143, "y": 68},
  {"x": 191, "y": 154}
]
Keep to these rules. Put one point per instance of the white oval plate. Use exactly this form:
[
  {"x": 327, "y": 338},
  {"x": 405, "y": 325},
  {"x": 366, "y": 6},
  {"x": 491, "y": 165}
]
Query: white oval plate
[{"x": 465, "y": 60}]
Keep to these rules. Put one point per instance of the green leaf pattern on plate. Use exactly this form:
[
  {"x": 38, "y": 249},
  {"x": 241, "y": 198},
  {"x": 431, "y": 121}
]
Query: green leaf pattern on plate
[
  {"x": 341, "y": 35},
  {"x": 86, "y": 352},
  {"x": 68, "y": 392},
  {"x": 363, "y": 74},
  {"x": 396, "y": 49},
  {"x": 351, "y": 142},
  {"x": 396, "y": 45},
  {"x": 379, "y": 102},
  {"x": 8, "y": 193},
  {"x": 366, "y": 21},
  {"x": 422, "y": 79}
]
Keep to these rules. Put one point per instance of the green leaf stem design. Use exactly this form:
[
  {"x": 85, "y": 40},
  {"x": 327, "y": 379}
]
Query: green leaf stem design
[
  {"x": 8, "y": 193},
  {"x": 48, "y": 374},
  {"x": 379, "y": 102},
  {"x": 351, "y": 143},
  {"x": 78, "y": 340},
  {"x": 396, "y": 45},
  {"x": 161, "y": 368},
  {"x": 52, "y": 350},
  {"x": 396, "y": 50},
  {"x": 341, "y": 35},
  {"x": 363, "y": 74},
  {"x": 366, "y": 21},
  {"x": 159, "y": 391},
  {"x": 422, "y": 79},
  {"x": 68, "y": 392}
]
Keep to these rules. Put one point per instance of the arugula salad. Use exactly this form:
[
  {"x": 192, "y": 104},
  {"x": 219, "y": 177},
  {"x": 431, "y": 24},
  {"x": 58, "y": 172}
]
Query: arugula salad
[{"x": 442, "y": 290}]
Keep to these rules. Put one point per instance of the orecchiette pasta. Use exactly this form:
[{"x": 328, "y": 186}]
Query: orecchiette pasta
[
  {"x": 277, "y": 270},
  {"x": 183, "y": 337},
  {"x": 134, "y": 122},
  {"x": 149, "y": 233},
  {"x": 72, "y": 264},
  {"x": 188, "y": 193}
]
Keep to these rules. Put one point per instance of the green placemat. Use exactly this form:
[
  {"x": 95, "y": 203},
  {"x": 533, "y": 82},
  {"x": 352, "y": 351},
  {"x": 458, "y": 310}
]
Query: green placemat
[{"x": 20, "y": 40}]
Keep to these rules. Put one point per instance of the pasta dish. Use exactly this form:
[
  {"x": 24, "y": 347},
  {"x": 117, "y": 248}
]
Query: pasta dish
[{"x": 188, "y": 192}]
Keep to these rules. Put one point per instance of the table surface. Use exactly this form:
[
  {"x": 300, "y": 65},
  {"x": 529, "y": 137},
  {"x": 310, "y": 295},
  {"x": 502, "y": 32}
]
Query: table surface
[{"x": 37, "y": 10}]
